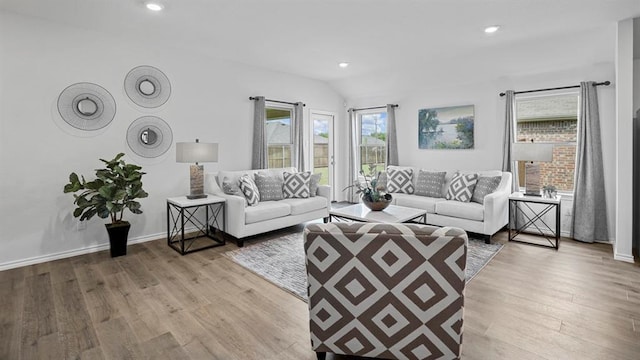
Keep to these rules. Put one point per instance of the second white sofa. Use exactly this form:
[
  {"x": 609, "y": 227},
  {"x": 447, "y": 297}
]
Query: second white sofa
[{"x": 485, "y": 219}]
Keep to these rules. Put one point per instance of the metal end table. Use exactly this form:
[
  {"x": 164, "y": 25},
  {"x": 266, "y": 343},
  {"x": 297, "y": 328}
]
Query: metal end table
[
  {"x": 531, "y": 210},
  {"x": 184, "y": 216}
]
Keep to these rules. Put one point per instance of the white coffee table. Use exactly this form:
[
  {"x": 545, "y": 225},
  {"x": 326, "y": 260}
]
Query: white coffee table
[{"x": 392, "y": 214}]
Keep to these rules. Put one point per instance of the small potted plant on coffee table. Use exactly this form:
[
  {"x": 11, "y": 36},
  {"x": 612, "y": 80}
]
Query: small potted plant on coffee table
[
  {"x": 373, "y": 195},
  {"x": 115, "y": 189}
]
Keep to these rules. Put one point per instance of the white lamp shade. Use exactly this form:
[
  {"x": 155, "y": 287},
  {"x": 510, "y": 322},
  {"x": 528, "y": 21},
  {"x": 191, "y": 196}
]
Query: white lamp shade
[
  {"x": 532, "y": 152},
  {"x": 196, "y": 152}
]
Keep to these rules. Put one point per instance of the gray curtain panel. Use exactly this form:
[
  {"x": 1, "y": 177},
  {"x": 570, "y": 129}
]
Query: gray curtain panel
[
  {"x": 392, "y": 137},
  {"x": 298, "y": 137},
  {"x": 589, "y": 202},
  {"x": 353, "y": 157},
  {"x": 259, "y": 154},
  {"x": 508, "y": 164}
]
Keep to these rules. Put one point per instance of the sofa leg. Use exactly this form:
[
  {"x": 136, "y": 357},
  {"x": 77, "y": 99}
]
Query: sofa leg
[
  {"x": 321, "y": 355},
  {"x": 487, "y": 239},
  {"x": 239, "y": 242},
  {"x": 326, "y": 220}
]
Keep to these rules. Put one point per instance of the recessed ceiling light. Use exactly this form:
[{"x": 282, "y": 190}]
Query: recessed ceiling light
[
  {"x": 343, "y": 64},
  {"x": 154, "y": 6},
  {"x": 491, "y": 29}
]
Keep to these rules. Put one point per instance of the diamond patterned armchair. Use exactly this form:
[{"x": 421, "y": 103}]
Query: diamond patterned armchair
[{"x": 391, "y": 291}]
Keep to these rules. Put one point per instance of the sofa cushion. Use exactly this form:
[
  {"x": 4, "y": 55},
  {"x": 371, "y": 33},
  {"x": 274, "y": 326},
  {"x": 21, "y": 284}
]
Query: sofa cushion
[
  {"x": 417, "y": 202},
  {"x": 301, "y": 206},
  {"x": 461, "y": 187},
  {"x": 249, "y": 189},
  {"x": 269, "y": 186},
  {"x": 430, "y": 183},
  {"x": 266, "y": 210},
  {"x": 484, "y": 187},
  {"x": 458, "y": 209},
  {"x": 296, "y": 185},
  {"x": 400, "y": 180}
]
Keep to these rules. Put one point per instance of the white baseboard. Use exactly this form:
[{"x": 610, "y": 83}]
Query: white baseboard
[
  {"x": 75, "y": 252},
  {"x": 622, "y": 257}
]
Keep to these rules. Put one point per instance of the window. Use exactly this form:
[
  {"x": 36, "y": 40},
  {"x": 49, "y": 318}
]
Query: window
[
  {"x": 372, "y": 128},
  {"x": 550, "y": 119},
  {"x": 279, "y": 133}
]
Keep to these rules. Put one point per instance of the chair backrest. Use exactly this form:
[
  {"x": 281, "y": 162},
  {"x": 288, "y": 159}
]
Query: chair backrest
[{"x": 393, "y": 291}]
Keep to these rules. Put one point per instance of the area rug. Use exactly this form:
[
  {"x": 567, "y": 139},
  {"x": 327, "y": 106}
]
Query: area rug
[{"x": 281, "y": 261}]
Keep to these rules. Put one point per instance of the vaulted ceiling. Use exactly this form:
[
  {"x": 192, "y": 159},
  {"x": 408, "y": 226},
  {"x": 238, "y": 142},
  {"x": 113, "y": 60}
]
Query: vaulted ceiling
[{"x": 390, "y": 40}]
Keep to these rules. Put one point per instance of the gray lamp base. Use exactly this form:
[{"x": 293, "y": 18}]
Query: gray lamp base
[
  {"x": 196, "y": 184},
  {"x": 532, "y": 179}
]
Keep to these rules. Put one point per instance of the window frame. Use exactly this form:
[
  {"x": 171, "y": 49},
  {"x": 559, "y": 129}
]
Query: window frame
[
  {"x": 576, "y": 93},
  {"x": 359, "y": 115},
  {"x": 285, "y": 107}
]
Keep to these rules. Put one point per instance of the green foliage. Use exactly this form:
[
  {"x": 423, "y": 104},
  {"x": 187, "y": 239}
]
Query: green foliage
[
  {"x": 368, "y": 187},
  {"x": 115, "y": 189},
  {"x": 324, "y": 135},
  {"x": 464, "y": 128},
  {"x": 379, "y": 135},
  {"x": 428, "y": 119},
  {"x": 427, "y": 126}
]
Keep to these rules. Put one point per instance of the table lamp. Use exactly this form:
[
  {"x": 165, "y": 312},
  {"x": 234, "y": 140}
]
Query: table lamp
[
  {"x": 531, "y": 152},
  {"x": 196, "y": 152}
]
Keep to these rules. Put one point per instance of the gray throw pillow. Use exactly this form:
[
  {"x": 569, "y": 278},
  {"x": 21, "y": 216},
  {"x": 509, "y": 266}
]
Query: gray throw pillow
[
  {"x": 461, "y": 187},
  {"x": 314, "y": 182},
  {"x": 430, "y": 183},
  {"x": 250, "y": 190},
  {"x": 296, "y": 185},
  {"x": 484, "y": 187},
  {"x": 269, "y": 186},
  {"x": 400, "y": 181},
  {"x": 231, "y": 188}
]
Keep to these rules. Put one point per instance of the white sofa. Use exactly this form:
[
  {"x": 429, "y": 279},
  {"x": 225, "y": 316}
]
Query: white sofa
[
  {"x": 242, "y": 220},
  {"x": 485, "y": 219}
]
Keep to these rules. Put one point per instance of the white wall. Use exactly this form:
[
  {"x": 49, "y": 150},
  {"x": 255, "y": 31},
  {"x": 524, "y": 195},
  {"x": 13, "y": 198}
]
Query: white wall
[
  {"x": 489, "y": 121},
  {"x": 624, "y": 140},
  {"x": 209, "y": 101}
]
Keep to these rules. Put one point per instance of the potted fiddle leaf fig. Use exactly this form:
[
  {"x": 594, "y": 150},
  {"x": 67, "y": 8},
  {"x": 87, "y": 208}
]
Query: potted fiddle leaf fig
[{"x": 115, "y": 189}]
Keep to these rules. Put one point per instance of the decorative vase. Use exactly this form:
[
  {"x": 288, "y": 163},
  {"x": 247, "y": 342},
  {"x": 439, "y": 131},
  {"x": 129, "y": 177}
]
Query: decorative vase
[
  {"x": 377, "y": 205},
  {"x": 118, "y": 234}
]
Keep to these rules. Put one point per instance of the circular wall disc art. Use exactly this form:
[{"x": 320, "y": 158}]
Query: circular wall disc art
[
  {"x": 147, "y": 86},
  {"x": 149, "y": 136},
  {"x": 86, "y": 106}
]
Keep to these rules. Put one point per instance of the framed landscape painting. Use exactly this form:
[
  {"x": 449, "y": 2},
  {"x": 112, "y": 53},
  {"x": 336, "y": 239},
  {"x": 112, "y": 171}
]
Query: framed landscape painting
[{"x": 446, "y": 127}]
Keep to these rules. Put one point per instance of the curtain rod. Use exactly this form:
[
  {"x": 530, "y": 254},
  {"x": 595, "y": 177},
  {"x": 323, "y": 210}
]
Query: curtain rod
[
  {"x": 605, "y": 83},
  {"x": 276, "y": 101},
  {"x": 374, "y": 107}
]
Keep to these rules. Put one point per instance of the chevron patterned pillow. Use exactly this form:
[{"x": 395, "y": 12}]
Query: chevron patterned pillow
[
  {"x": 400, "y": 181},
  {"x": 296, "y": 185},
  {"x": 249, "y": 189},
  {"x": 461, "y": 187}
]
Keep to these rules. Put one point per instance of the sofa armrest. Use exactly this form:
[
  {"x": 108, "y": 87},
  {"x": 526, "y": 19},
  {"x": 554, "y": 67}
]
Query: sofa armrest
[
  {"x": 496, "y": 211},
  {"x": 234, "y": 213},
  {"x": 325, "y": 192}
]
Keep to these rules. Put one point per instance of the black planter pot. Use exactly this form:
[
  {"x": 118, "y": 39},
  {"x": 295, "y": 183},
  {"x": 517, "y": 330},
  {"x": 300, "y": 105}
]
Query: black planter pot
[{"x": 118, "y": 234}]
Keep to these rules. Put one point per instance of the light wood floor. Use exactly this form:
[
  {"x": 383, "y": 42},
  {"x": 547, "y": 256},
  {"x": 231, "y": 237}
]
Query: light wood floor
[{"x": 528, "y": 303}]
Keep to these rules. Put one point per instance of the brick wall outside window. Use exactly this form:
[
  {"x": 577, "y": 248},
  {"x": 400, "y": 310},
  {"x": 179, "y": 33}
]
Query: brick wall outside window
[{"x": 560, "y": 172}]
